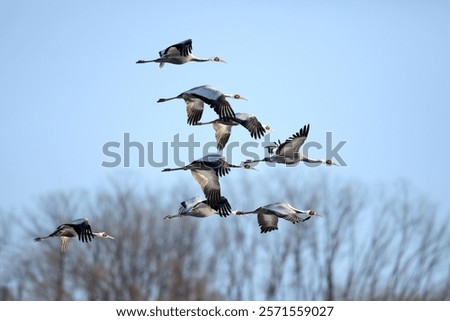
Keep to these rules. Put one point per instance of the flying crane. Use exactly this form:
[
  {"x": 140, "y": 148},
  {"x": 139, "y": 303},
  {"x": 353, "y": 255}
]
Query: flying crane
[
  {"x": 197, "y": 207},
  {"x": 178, "y": 54},
  {"x": 268, "y": 215},
  {"x": 288, "y": 151},
  {"x": 206, "y": 171},
  {"x": 196, "y": 97},
  {"x": 79, "y": 228},
  {"x": 223, "y": 128}
]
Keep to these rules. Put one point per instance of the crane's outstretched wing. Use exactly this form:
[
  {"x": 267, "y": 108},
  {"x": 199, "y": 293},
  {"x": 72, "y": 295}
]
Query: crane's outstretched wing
[
  {"x": 292, "y": 145},
  {"x": 187, "y": 205},
  {"x": 251, "y": 123},
  {"x": 215, "y": 99},
  {"x": 83, "y": 229},
  {"x": 222, "y": 107},
  {"x": 281, "y": 207},
  {"x": 224, "y": 208},
  {"x": 293, "y": 218},
  {"x": 267, "y": 222},
  {"x": 286, "y": 211},
  {"x": 64, "y": 241},
  {"x": 272, "y": 149},
  {"x": 209, "y": 182},
  {"x": 194, "y": 110},
  {"x": 216, "y": 162},
  {"x": 183, "y": 48},
  {"x": 222, "y": 134}
]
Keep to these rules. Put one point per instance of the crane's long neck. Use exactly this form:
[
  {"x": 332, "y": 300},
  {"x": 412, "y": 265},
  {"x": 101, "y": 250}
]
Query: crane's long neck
[
  {"x": 311, "y": 160},
  {"x": 161, "y": 100},
  {"x": 174, "y": 169},
  {"x": 327, "y": 162},
  {"x": 204, "y": 123},
  {"x": 169, "y": 217},
  {"x": 306, "y": 212},
  {"x": 41, "y": 238},
  {"x": 265, "y": 159},
  {"x": 244, "y": 212},
  {"x": 236, "y": 166},
  {"x": 197, "y": 59}
]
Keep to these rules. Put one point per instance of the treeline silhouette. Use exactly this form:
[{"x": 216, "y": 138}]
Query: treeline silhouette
[{"x": 372, "y": 243}]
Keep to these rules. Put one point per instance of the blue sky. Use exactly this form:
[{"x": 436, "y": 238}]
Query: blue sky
[{"x": 375, "y": 74}]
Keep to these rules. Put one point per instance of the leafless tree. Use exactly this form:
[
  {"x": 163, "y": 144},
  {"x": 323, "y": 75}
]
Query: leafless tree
[
  {"x": 6, "y": 239},
  {"x": 148, "y": 260},
  {"x": 370, "y": 244}
]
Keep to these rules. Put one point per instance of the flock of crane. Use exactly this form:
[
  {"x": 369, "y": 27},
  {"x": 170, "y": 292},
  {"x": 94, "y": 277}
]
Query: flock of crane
[{"x": 208, "y": 169}]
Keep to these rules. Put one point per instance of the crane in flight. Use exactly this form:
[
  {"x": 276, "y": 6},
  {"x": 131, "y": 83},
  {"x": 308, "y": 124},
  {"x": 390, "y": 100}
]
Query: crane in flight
[
  {"x": 206, "y": 171},
  {"x": 178, "y": 54},
  {"x": 223, "y": 128},
  {"x": 289, "y": 153},
  {"x": 196, "y": 97},
  {"x": 268, "y": 215},
  {"x": 78, "y": 228},
  {"x": 197, "y": 207}
]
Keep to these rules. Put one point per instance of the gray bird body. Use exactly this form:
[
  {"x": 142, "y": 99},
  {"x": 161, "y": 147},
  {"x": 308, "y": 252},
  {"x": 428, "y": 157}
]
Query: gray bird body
[
  {"x": 178, "y": 54},
  {"x": 206, "y": 171},
  {"x": 222, "y": 128},
  {"x": 197, "y": 207},
  {"x": 196, "y": 97},
  {"x": 268, "y": 215},
  {"x": 79, "y": 228},
  {"x": 289, "y": 153}
]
